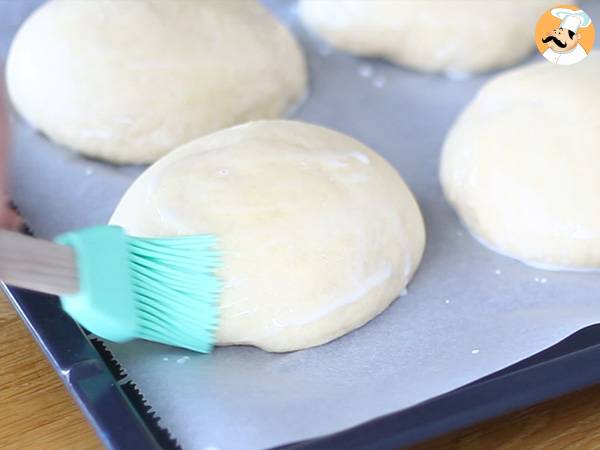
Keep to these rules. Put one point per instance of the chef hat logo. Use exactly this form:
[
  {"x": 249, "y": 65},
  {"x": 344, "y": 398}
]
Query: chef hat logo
[
  {"x": 565, "y": 35},
  {"x": 572, "y": 20}
]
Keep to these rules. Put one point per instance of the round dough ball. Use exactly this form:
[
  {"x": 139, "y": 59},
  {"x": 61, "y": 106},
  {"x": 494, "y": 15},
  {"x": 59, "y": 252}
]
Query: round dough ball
[
  {"x": 127, "y": 81},
  {"x": 430, "y": 35},
  {"x": 319, "y": 233},
  {"x": 522, "y": 165}
]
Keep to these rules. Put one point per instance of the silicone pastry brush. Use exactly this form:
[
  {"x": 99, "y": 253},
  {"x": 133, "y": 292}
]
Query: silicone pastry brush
[{"x": 121, "y": 287}]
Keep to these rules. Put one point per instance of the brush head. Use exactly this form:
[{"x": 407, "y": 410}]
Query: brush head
[{"x": 160, "y": 289}]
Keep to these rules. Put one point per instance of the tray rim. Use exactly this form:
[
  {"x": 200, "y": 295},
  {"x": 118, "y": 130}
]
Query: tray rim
[
  {"x": 84, "y": 376},
  {"x": 519, "y": 385}
]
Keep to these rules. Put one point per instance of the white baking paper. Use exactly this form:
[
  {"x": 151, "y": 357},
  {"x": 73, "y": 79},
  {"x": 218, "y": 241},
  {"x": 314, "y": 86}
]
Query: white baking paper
[{"x": 468, "y": 312}]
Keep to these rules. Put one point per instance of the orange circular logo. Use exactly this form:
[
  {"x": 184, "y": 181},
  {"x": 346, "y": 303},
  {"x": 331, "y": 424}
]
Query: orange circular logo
[{"x": 565, "y": 35}]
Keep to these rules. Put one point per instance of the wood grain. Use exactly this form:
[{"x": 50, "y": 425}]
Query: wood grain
[{"x": 37, "y": 413}]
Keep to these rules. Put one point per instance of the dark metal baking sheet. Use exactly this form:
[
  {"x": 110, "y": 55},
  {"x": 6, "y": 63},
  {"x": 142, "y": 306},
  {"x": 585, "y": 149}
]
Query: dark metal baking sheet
[
  {"x": 118, "y": 412},
  {"x": 123, "y": 421}
]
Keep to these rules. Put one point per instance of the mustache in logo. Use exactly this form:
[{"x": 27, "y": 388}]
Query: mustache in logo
[{"x": 556, "y": 41}]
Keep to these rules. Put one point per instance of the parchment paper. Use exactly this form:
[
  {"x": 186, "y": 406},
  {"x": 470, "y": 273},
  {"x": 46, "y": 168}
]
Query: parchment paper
[{"x": 469, "y": 312}]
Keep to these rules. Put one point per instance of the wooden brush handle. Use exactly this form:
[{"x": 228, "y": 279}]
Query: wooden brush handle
[{"x": 37, "y": 264}]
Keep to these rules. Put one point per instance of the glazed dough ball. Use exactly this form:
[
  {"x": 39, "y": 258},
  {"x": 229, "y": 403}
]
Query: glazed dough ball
[
  {"x": 522, "y": 165},
  {"x": 128, "y": 80},
  {"x": 319, "y": 233},
  {"x": 430, "y": 35}
]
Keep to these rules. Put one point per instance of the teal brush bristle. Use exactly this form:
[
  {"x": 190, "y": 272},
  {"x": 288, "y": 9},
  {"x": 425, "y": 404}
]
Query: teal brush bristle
[
  {"x": 176, "y": 293},
  {"x": 160, "y": 289}
]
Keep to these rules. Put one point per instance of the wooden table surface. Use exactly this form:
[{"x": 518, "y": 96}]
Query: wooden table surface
[{"x": 36, "y": 412}]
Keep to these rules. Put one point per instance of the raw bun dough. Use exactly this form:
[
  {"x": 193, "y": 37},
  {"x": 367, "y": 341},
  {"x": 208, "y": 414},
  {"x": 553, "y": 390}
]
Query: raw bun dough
[
  {"x": 319, "y": 233},
  {"x": 430, "y": 35},
  {"x": 127, "y": 81},
  {"x": 522, "y": 165}
]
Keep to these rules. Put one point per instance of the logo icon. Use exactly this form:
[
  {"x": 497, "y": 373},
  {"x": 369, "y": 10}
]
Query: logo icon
[{"x": 565, "y": 35}]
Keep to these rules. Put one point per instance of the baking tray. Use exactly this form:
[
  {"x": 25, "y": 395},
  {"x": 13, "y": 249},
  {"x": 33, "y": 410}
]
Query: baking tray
[{"x": 122, "y": 420}]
